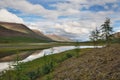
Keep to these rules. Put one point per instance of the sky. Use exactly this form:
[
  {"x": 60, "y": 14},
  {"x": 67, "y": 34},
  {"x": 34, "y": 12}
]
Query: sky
[{"x": 74, "y": 19}]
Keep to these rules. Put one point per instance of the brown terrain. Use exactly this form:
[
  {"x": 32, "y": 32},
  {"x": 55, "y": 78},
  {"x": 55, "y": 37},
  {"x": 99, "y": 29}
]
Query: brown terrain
[
  {"x": 97, "y": 64},
  {"x": 13, "y": 57},
  {"x": 22, "y": 55},
  {"x": 40, "y": 33},
  {"x": 59, "y": 38},
  {"x": 7, "y": 32},
  {"x": 16, "y": 29},
  {"x": 117, "y": 35}
]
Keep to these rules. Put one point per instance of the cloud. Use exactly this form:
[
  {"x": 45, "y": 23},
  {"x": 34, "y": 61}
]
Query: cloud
[
  {"x": 6, "y": 16},
  {"x": 72, "y": 29},
  {"x": 63, "y": 8},
  {"x": 79, "y": 4},
  {"x": 29, "y": 8},
  {"x": 75, "y": 28}
]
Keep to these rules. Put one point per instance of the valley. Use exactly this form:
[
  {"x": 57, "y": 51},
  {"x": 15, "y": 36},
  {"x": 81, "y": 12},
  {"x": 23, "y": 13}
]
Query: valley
[{"x": 59, "y": 40}]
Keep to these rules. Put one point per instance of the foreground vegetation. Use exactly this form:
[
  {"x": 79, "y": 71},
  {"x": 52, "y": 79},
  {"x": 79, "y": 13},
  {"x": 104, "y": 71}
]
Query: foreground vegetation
[
  {"x": 39, "y": 67},
  {"x": 77, "y": 64},
  {"x": 97, "y": 64}
]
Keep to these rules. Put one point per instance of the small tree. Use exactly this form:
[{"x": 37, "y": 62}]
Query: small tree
[
  {"x": 9, "y": 72},
  {"x": 94, "y": 36},
  {"x": 18, "y": 69},
  {"x": 77, "y": 49},
  {"x": 106, "y": 30}
]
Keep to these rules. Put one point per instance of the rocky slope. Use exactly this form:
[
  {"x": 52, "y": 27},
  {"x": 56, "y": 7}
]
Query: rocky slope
[{"x": 97, "y": 64}]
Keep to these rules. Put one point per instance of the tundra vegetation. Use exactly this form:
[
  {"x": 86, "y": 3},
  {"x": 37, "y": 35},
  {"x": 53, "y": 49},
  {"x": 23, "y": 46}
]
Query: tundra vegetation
[{"x": 39, "y": 67}]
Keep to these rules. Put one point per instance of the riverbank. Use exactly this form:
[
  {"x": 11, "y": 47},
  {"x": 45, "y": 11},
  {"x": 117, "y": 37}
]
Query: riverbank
[
  {"x": 10, "y": 49},
  {"x": 97, "y": 64},
  {"x": 85, "y": 64},
  {"x": 42, "y": 66}
]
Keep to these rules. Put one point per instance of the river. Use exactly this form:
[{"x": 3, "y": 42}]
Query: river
[{"x": 41, "y": 53}]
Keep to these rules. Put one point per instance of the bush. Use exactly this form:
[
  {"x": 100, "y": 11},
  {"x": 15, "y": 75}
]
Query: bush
[
  {"x": 47, "y": 67},
  {"x": 77, "y": 52},
  {"x": 68, "y": 55},
  {"x": 48, "y": 77}
]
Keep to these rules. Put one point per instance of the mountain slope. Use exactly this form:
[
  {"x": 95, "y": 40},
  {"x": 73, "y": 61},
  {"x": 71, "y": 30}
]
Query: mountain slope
[
  {"x": 117, "y": 35},
  {"x": 59, "y": 38},
  {"x": 10, "y": 30},
  {"x": 7, "y": 32},
  {"x": 16, "y": 27},
  {"x": 40, "y": 34}
]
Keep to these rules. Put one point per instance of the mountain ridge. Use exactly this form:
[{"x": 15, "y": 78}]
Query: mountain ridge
[
  {"x": 59, "y": 38},
  {"x": 16, "y": 30},
  {"x": 19, "y": 30}
]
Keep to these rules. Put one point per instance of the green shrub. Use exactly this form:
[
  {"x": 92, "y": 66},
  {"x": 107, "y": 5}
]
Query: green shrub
[
  {"x": 77, "y": 52},
  {"x": 48, "y": 77},
  {"x": 68, "y": 55}
]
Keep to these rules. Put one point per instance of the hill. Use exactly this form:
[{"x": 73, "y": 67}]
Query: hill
[
  {"x": 10, "y": 32},
  {"x": 59, "y": 38},
  {"x": 117, "y": 35},
  {"x": 96, "y": 64},
  {"x": 40, "y": 34}
]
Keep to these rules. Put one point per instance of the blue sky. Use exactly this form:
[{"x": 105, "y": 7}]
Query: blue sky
[{"x": 71, "y": 18}]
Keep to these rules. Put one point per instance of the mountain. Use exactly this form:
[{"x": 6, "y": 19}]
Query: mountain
[
  {"x": 59, "y": 38},
  {"x": 40, "y": 34},
  {"x": 117, "y": 35},
  {"x": 16, "y": 27},
  {"x": 19, "y": 32},
  {"x": 53, "y": 37}
]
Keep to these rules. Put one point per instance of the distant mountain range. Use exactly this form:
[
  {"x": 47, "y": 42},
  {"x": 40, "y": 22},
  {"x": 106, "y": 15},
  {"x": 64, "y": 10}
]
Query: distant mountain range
[
  {"x": 15, "y": 32},
  {"x": 59, "y": 38},
  {"x": 117, "y": 35}
]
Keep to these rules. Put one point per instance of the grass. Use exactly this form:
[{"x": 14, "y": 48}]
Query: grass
[
  {"x": 11, "y": 48},
  {"x": 85, "y": 64},
  {"x": 97, "y": 64},
  {"x": 42, "y": 66},
  {"x": 56, "y": 57},
  {"x": 19, "y": 40}
]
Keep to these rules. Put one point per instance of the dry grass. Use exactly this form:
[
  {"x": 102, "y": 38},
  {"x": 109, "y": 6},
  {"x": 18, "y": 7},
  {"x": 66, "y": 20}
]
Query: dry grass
[{"x": 98, "y": 64}]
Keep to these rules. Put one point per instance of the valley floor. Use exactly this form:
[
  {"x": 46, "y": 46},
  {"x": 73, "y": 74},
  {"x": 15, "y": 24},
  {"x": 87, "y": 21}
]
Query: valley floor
[{"x": 7, "y": 49}]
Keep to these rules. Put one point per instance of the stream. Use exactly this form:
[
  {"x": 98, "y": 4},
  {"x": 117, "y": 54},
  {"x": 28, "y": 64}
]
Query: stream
[{"x": 41, "y": 53}]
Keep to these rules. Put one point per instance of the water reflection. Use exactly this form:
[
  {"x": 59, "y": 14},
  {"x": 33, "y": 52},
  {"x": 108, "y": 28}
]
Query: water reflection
[{"x": 40, "y": 53}]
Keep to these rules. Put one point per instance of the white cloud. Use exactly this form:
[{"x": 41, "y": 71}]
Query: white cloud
[
  {"x": 6, "y": 16},
  {"x": 115, "y": 6},
  {"x": 22, "y": 5},
  {"x": 81, "y": 26},
  {"x": 71, "y": 8},
  {"x": 77, "y": 27},
  {"x": 27, "y": 7}
]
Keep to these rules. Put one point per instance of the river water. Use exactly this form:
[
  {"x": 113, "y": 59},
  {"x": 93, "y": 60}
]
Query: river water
[{"x": 41, "y": 53}]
